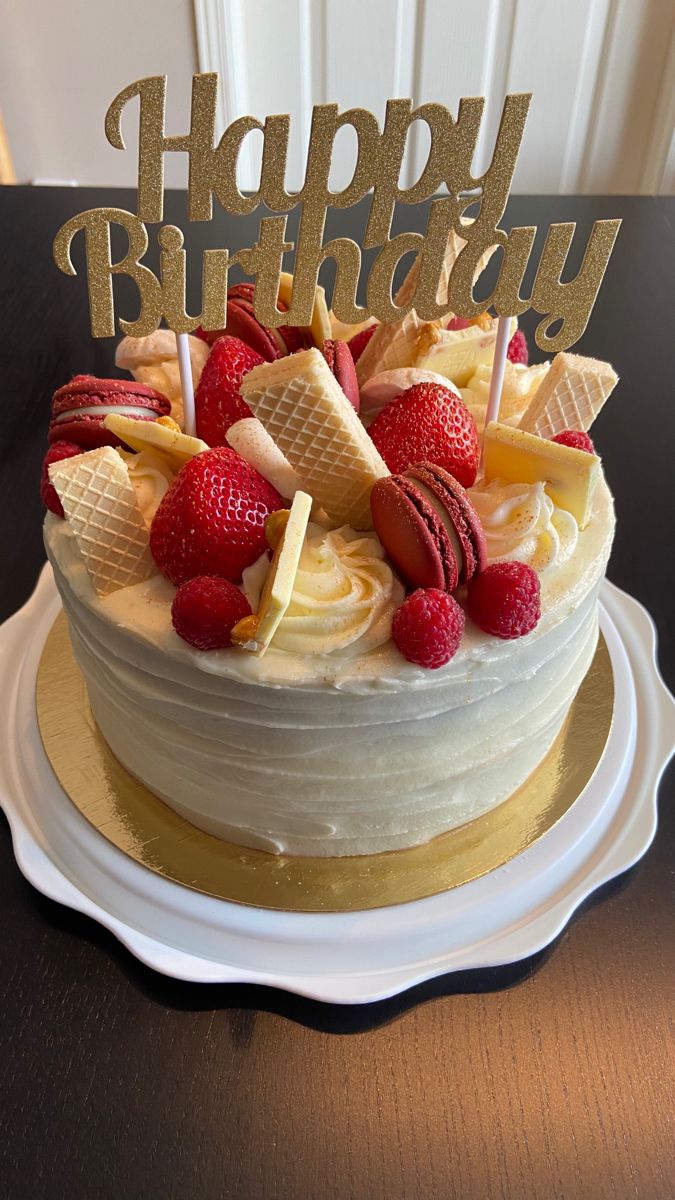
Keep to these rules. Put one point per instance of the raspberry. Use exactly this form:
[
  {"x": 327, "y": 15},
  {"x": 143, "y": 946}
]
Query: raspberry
[
  {"x": 505, "y": 599},
  {"x": 576, "y": 439},
  {"x": 517, "y": 350},
  {"x": 212, "y": 519},
  {"x": 204, "y": 610},
  {"x": 428, "y": 423},
  {"x": 56, "y": 452},
  {"x": 217, "y": 401},
  {"x": 428, "y": 627},
  {"x": 359, "y": 341}
]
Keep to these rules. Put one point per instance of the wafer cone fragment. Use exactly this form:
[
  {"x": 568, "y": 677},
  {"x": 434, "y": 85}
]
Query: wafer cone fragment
[
  {"x": 307, "y": 414},
  {"x": 570, "y": 395},
  {"x": 99, "y": 501}
]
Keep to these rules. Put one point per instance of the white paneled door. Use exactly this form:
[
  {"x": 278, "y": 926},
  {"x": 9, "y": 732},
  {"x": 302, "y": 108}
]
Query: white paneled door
[{"x": 602, "y": 73}]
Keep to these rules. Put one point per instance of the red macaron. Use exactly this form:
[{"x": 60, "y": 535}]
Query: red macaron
[
  {"x": 428, "y": 527},
  {"x": 81, "y": 406},
  {"x": 243, "y": 324},
  {"x": 339, "y": 359}
]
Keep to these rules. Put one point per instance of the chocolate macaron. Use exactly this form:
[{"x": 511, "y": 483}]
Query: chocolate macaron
[
  {"x": 428, "y": 527},
  {"x": 339, "y": 359},
  {"x": 81, "y": 406}
]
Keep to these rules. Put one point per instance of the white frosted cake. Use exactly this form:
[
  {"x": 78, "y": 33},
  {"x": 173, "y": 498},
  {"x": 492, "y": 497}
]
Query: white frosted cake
[
  {"x": 328, "y": 715},
  {"x": 352, "y": 752}
]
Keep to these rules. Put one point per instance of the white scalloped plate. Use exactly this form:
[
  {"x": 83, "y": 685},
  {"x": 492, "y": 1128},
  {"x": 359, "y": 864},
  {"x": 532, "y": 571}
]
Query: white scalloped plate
[{"x": 346, "y": 958}]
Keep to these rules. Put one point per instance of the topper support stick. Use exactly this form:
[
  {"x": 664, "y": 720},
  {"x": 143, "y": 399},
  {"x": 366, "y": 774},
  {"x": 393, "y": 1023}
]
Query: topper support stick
[
  {"x": 498, "y": 364},
  {"x": 185, "y": 368}
]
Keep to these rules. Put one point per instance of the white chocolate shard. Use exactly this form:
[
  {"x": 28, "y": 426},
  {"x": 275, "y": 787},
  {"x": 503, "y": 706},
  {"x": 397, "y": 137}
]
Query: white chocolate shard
[
  {"x": 395, "y": 345},
  {"x": 251, "y": 440},
  {"x": 101, "y": 508},
  {"x": 178, "y": 448},
  {"x": 569, "y": 475},
  {"x": 305, "y": 411},
  {"x": 153, "y": 361},
  {"x": 255, "y": 633},
  {"x": 570, "y": 396},
  {"x": 456, "y": 353}
]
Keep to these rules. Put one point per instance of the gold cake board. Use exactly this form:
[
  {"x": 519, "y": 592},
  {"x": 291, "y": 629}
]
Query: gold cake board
[{"x": 147, "y": 830}]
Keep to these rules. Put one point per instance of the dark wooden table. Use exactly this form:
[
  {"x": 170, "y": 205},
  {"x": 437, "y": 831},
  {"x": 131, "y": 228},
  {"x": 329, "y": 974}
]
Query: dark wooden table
[{"x": 552, "y": 1078}]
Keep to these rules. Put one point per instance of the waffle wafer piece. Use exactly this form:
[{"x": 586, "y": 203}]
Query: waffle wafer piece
[
  {"x": 307, "y": 414},
  {"x": 570, "y": 395},
  {"x": 100, "y": 504}
]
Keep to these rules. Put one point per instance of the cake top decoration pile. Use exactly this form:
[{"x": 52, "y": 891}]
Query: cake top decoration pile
[{"x": 433, "y": 292}]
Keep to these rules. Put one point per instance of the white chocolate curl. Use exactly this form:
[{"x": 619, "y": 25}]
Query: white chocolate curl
[
  {"x": 153, "y": 362},
  {"x": 251, "y": 440}
]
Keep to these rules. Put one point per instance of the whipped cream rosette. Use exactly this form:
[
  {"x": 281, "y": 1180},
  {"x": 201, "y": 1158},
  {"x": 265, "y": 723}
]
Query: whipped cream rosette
[
  {"x": 522, "y": 524},
  {"x": 344, "y": 596}
]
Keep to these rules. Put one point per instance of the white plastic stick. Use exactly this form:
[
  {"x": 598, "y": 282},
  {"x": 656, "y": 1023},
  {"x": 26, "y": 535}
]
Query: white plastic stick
[
  {"x": 185, "y": 368},
  {"x": 498, "y": 364}
]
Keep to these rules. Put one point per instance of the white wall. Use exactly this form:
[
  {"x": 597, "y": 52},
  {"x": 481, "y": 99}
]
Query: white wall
[
  {"x": 602, "y": 73},
  {"x": 63, "y": 61}
]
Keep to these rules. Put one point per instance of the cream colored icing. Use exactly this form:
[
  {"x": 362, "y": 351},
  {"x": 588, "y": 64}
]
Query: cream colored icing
[
  {"x": 522, "y": 523},
  {"x": 344, "y": 596},
  {"x": 330, "y": 754},
  {"x": 151, "y": 476}
]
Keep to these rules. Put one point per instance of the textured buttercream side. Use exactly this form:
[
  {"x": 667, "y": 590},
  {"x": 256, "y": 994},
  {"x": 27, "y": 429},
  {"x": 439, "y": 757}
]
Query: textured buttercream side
[{"x": 326, "y": 755}]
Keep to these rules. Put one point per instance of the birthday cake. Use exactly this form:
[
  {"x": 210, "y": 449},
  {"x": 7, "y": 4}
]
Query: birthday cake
[
  {"x": 332, "y": 578},
  {"x": 314, "y": 637}
]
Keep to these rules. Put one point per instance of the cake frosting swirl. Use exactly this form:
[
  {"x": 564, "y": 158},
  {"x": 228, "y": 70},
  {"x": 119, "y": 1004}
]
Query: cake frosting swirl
[
  {"x": 522, "y": 524},
  {"x": 344, "y": 597}
]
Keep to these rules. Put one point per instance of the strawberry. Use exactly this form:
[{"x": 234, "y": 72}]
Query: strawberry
[
  {"x": 217, "y": 401},
  {"x": 359, "y": 341},
  {"x": 428, "y": 423},
  {"x": 517, "y": 350},
  {"x": 56, "y": 453},
  {"x": 212, "y": 519}
]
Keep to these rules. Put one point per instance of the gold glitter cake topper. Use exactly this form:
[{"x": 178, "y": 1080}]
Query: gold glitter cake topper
[{"x": 213, "y": 175}]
